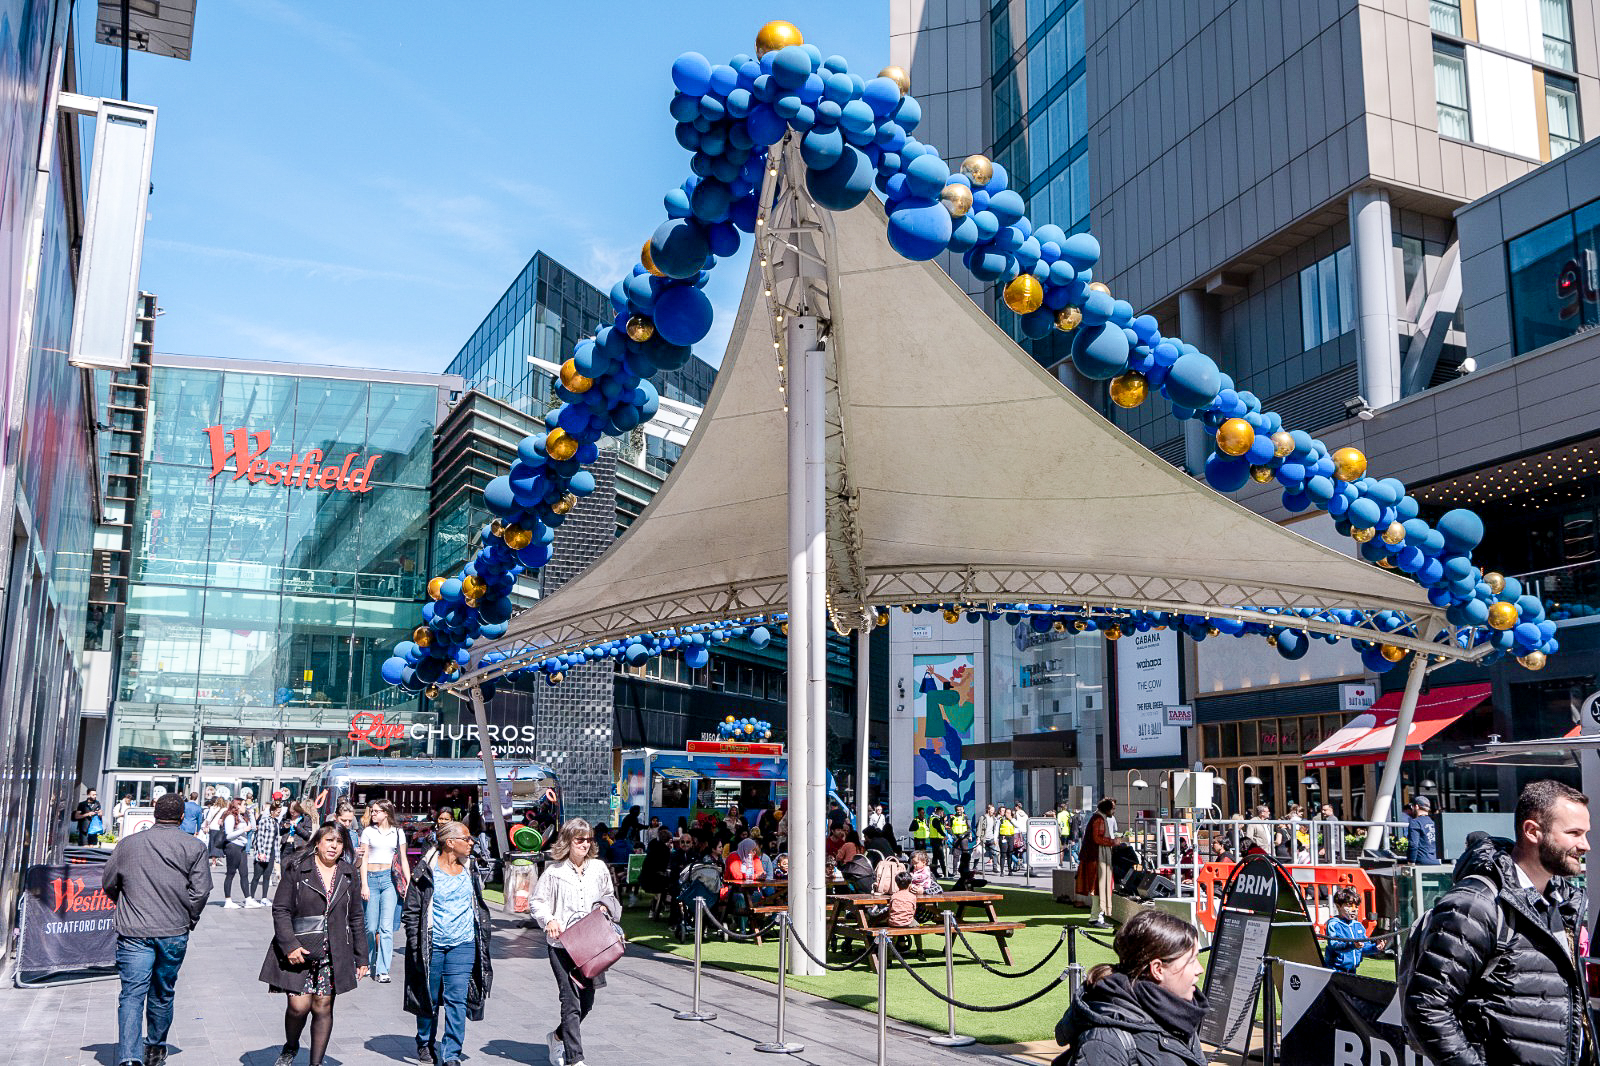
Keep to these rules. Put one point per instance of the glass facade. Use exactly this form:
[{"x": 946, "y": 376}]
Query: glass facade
[
  {"x": 1044, "y": 682},
  {"x": 1555, "y": 279},
  {"x": 262, "y": 611}
]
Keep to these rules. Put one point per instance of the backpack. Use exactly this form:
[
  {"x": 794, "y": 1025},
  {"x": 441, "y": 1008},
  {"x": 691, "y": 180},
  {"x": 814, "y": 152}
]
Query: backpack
[
  {"x": 884, "y": 873},
  {"x": 1407, "y": 967}
]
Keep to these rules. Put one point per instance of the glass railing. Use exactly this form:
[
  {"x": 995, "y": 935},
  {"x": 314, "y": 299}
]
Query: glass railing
[
  {"x": 295, "y": 580},
  {"x": 1571, "y": 591}
]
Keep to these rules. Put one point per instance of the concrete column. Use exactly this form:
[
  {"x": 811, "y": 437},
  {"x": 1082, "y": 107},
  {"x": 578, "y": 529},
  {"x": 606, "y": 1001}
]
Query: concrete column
[
  {"x": 1377, "y": 336},
  {"x": 1197, "y": 325}
]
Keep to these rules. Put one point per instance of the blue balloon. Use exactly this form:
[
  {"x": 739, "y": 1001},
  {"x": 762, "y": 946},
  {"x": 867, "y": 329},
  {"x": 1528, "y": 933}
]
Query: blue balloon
[
  {"x": 582, "y": 483},
  {"x": 1226, "y": 474},
  {"x": 696, "y": 657},
  {"x": 679, "y": 248},
  {"x": 498, "y": 497},
  {"x": 759, "y": 636},
  {"x": 1082, "y": 250},
  {"x": 926, "y": 177},
  {"x": 1100, "y": 352},
  {"x": 791, "y": 67},
  {"x": 394, "y": 669},
  {"x": 691, "y": 73},
  {"x": 1193, "y": 381},
  {"x": 683, "y": 315},
  {"x": 844, "y": 184},
  {"x": 822, "y": 148},
  {"x": 882, "y": 95},
  {"x": 920, "y": 233},
  {"x": 1462, "y": 530}
]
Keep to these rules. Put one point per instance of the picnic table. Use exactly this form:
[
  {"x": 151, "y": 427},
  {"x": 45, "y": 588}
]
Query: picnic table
[{"x": 850, "y": 910}]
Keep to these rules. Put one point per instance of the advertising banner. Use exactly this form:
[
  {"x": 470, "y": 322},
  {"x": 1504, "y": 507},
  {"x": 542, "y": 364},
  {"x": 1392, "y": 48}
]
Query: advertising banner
[
  {"x": 941, "y": 776},
  {"x": 67, "y": 924},
  {"x": 1342, "y": 1019},
  {"x": 1147, "y": 683}
]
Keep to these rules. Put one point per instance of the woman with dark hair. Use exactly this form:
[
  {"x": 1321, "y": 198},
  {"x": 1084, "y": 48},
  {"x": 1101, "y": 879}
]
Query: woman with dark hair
[
  {"x": 319, "y": 941},
  {"x": 447, "y": 946},
  {"x": 574, "y": 884},
  {"x": 1145, "y": 1010},
  {"x": 387, "y": 870}
]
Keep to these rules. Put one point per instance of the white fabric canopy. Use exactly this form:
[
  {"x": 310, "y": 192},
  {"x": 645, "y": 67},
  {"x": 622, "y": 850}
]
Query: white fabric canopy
[{"x": 959, "y": 470}]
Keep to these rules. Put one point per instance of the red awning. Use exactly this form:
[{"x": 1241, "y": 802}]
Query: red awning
[{"x": 1367, "y": 736}]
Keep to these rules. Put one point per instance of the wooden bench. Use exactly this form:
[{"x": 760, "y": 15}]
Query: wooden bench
[{"x": 999, "y": 930}]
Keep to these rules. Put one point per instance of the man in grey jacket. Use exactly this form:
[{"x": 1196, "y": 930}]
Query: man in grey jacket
[{"x": 160, "y": 880}]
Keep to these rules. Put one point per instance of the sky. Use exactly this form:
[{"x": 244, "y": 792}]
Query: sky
[{"x": 356, "y": 184}]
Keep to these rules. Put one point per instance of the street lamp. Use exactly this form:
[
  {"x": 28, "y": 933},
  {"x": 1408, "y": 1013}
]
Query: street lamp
[{"x": 1254, "y": 782}]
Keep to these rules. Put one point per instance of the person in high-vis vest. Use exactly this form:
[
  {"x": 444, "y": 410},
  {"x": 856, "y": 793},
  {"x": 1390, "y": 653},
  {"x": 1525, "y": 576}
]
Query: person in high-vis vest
[
  {"x": 919, "y": 830},
  {"x": 961, "y": 841},
  {"x": 1008, "y": 834}
]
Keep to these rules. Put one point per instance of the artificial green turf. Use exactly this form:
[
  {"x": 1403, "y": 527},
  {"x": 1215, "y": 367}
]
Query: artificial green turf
[{"x": 908, "y": 1001}]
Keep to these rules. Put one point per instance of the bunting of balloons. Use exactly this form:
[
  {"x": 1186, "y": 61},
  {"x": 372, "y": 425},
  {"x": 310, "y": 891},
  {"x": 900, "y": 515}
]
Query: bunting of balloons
[
  {"x": 856, "y": 134},
  {"x": 731, "y": 728}
]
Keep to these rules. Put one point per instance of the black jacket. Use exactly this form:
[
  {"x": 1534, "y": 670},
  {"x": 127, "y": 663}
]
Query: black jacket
[
  {"x": 1488, "y": 980},
  {"x": 1111, "y": 1024},
  {"x": 417, "y": 919},
  {"x": 159, "y": 879},
  {"x": 300, "y": 895}
]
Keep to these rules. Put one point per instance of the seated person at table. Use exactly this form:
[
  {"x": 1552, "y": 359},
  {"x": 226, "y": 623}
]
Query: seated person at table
[
  {"x": 902, "y": 902},
  {"x": 836, "y": 837},
  {"x": 922, "y": 882},
  {"x": 781, "y": 867},
  {"x": 745, "y": 866},
  {"x": 855, "y": 867}
]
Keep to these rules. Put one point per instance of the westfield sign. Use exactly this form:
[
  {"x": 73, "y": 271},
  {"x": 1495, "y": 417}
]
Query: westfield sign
[{"x": 248, "y": 452}]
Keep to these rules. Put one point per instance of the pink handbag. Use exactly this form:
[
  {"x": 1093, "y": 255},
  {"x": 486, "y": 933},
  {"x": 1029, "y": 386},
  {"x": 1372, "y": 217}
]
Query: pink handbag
[{"x": 593, "y": 942}]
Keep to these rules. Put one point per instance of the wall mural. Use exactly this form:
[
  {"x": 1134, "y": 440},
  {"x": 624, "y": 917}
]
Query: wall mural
[{"x": 945, "y": 707}]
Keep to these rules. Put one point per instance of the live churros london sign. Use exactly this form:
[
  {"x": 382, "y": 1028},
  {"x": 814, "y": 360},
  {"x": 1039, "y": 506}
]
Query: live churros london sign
[{"x": 248, "y": 451}]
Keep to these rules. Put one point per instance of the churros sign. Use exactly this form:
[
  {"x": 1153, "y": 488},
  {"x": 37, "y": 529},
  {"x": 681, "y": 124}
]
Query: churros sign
[{"x": 247, "y": 451}]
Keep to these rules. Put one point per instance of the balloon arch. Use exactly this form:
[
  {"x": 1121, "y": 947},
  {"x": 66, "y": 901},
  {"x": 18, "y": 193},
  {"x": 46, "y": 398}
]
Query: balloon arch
[{"x": 855, "y": 135}]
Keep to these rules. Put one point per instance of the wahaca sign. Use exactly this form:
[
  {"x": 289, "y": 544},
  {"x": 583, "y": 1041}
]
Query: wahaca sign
[{"x": 247, "y": 451}]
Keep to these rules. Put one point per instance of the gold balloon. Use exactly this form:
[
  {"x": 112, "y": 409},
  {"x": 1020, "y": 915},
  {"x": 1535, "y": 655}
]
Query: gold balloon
[
  {"x": 497, "y": 527},
  {"x": 1394, "y": 534},
  {"x": 952, "y": 616},
  {"x": 1361, "y": 536},
  {"x": 1058, "y": 627},
  {"x": 775, "y": 35},
  {"x": 1079, "y": 626},
  {"x": 1213, "y": 631},
  {"x": 783, "y": 627},
  {"x": 1130, "y": 389},
  {"x": 434, "y": 588},
  {"x": 957, "y": 200},
  {"x": 1114, "y": 633},
  {"x": 557, "y": 677},
  {"x": 978, "y": 170},
  {"x": 1099, "y": 286},
  {"x": 432, "y": 692},
  {"x": 422, "y": 636},
  {"x": 647, "y": 262},
  {"x": 1386, "y": 562},
  {"x": 557, "y": 445},
  {"x": 473, "y": 587},
  {"x": 565, "y": 504},
  {"x": 1496, "y": 582},
  {"x": 1272, "y": 641},
  {"x": 640, "y": 328},
  {"x": 1024, "y": 295},
  {"x": 1391, "y": 653},
  {"x": 1067, "y": 319},
  {"x": 517, "y": 538},
  {"x": 1235, "y": 436},
  {"x": 882, "y": 619},
  {"x": 1349, "y": 464},
  {"x": 1534, "y": 660},
  {"x": 1502, "y": 616},
  {"x": 899, "y": 76},
  {"x": 1261, "y": 474},
  {"x": 1282, "y": 443},
  {"x": 573, "y": 381}
]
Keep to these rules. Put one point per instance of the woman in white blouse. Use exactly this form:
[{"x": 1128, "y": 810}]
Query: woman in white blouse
[
  {"x": 382, "y": 844},
  {"x": 574, "y": 884}
]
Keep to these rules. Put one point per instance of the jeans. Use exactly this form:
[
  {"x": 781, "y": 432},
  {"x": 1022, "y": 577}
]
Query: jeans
[
  {"x": 576, "y": 1002},
  {"x": 449, "y": 973},
  {"x": 381, "y": 903},
  {"x": 148, "y": 969}
]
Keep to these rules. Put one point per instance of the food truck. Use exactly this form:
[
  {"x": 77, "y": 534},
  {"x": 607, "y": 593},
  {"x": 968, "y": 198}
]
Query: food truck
[
  {"x": 421, "y": 788},
  {"x": 708, "y": 777}
]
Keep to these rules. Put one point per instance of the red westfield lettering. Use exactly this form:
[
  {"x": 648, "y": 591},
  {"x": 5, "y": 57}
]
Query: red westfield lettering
[
  {"x": 247, "y": 450},
  {"x": 375, "y": 730},
  {"x": 71, "y": 898}
]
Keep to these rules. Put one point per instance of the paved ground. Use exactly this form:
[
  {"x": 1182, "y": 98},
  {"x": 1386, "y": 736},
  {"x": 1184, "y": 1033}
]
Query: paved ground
[{"x": 225, "y": 1017}]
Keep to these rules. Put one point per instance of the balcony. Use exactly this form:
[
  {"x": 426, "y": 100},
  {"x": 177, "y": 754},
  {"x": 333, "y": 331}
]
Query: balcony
[{"x": 1572, "y": 592}]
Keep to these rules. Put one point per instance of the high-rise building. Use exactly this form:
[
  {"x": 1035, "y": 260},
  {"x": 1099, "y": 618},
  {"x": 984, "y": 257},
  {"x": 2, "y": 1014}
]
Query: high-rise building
[{"x": 1279, "y": 184}]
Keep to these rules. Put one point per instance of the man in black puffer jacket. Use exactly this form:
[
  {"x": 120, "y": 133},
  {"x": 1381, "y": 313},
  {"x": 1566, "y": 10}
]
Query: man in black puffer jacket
[{"x": 1490, "y": 975}]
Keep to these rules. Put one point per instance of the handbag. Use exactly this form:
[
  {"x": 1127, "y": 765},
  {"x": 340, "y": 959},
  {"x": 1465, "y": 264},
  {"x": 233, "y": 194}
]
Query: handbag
[
  {"x": 401, "y": 882},
  {"x": 594, "y": 942},
  {"x": 312, "y": 935}
]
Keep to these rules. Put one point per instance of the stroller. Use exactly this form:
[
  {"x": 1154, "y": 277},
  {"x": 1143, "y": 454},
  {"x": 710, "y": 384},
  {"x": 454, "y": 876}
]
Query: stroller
[{"x": 701, "y": 880}]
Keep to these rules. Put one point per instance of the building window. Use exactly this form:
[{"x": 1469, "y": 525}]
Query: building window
[
  {"x": 1556, "y": 17},
  {"x": 1450, "y": 87},
  {"x": 1561, "y": 111},
  {"x": 1555, "y": 279},
  {"x": 1327, "y": 299},
  {"x": 1445, "y": 16}
]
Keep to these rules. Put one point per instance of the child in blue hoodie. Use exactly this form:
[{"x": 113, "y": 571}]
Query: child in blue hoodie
[{"x": 1347, "y": 937}]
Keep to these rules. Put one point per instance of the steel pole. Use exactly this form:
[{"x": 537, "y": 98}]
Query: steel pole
[
  {"x": 883, "y": 1000},
  {"x": 779, "y": 1045},
  {"x": 491, "y": 781},
  {"x": 1383, "y": 798},
  {"x": 817, "y": 624},
  {"x": 950, "y": 1038},
  {"x": 863, "y": 721},
  {"x": 694, "y": 1013}
]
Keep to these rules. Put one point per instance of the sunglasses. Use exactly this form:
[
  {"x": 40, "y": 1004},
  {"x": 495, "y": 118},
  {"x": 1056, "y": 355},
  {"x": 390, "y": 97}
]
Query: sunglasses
[{"x": 583, "y": 840}]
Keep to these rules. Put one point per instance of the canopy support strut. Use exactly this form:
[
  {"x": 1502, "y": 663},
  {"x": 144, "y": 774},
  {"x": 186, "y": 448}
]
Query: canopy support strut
[
  {"x": 491, "y": 782},
  {"x": 863, "y": 718},
  {"x": 1383, "y": 798}
]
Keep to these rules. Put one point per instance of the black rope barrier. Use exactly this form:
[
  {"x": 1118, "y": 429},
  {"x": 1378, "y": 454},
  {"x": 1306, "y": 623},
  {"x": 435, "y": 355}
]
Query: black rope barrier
[
  {"x": 978, "y": 1007},
  {"x": 1030, "y": 971},
  {"x": 726, "y": 931},
  {"x": 1090, "y": 936},
  {"x": 824, "y": 963}
]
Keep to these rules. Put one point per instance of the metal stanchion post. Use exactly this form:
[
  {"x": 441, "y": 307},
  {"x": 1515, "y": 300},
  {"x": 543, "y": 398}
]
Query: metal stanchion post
[
  {"x": 883, "y": 1000},
  {"x": 950, "y": 1038},
  {"x": 778, "y": 1045},
  {"x": 1074, "y": 969},
  {"x": 1269, "y": 1018},
  {"x": 694, "y": 1013}
]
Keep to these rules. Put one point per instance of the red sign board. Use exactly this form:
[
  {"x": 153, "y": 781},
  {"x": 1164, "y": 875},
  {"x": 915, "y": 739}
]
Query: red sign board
[
  {"x": 248, "y": 452},
  {"x": 732, "y": 747}
]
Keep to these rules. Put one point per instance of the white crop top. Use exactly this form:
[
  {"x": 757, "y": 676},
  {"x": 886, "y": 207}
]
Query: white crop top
[{"x": 381, "y": 844}]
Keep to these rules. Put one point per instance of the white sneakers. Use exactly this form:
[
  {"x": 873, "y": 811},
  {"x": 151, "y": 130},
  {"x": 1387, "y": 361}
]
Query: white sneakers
[
  {"x": 253, "y": 902},
  {"x": 230, "y": 905},
  {"x": 558, "y": 1050}
]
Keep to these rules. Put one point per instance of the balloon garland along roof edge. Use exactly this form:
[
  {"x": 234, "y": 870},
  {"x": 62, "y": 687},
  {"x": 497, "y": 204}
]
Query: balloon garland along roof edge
[{"x": 856, "y": 135}]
